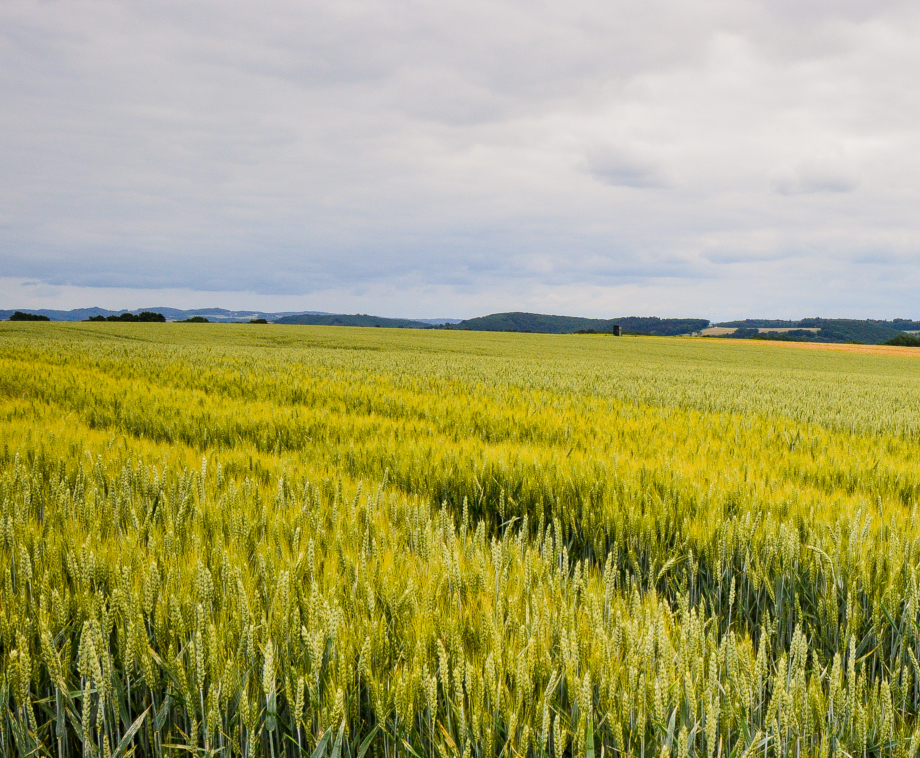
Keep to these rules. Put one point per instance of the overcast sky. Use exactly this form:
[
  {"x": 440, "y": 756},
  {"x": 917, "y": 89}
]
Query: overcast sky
[{"x": 715, "y": 158}]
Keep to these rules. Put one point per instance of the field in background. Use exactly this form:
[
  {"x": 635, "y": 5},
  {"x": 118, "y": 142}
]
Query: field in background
[
  {"x": 241, "y": 539},
  {"x": 721, "y": 331}
]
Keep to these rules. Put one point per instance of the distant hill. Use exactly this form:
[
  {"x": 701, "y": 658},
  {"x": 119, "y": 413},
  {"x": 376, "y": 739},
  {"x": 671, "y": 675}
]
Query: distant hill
[
  {"x": 544, "y": 324},
  {"x": 357, "y": 319},
  {"x": 867, "y": 331},
  {"x": 532, "y": 322},
  {"x": 219, "y": 315}
]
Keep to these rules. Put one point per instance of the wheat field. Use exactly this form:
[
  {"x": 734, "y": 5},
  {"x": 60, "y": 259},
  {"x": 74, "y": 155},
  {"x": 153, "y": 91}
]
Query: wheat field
[{"x": 278, "y": 541}]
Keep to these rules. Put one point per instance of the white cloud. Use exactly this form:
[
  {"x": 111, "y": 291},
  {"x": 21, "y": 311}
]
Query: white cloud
[{"x": 499, "y": 154}]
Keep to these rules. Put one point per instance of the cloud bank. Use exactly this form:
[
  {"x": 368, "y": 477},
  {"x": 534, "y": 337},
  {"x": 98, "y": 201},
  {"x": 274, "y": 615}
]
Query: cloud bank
[{"x": 455, "y": 157}]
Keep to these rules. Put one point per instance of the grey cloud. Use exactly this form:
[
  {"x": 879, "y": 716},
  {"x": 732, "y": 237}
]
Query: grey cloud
[
  {"x": 811, "y": 178},
  {"x": 442, "y": 96},
  {"x": 618, "y": 170},
  {"x": 299, "y": 147}
]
